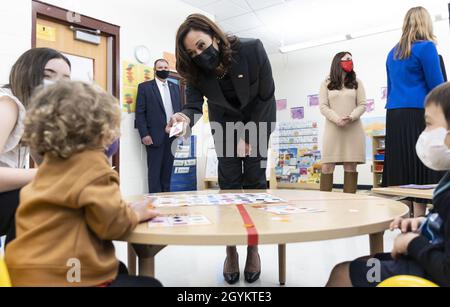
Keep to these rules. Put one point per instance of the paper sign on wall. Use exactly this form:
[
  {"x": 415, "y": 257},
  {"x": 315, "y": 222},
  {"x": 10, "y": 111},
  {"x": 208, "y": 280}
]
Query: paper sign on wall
[
  {"x": 370, "y": 105},
  {"x": 298, "y": 113},
  {"x": 281, "y": 104},
  {"x": 313, "y": 100},
  {"x": 45, "y": 33},
  {"x": 82, "y": 68}
]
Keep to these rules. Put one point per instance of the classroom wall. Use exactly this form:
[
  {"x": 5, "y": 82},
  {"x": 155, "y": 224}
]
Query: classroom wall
[
  {"x": 15, "y": 37},
  {"x": 299, "y": 74}
]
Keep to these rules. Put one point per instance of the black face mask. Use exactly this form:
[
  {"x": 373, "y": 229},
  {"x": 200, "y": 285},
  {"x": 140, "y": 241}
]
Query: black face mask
[
  {"x": 163, "y": 74},
  {"x": 208, "y": 59}
]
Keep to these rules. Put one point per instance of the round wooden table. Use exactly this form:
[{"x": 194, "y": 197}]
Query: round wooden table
[{"x": 343, "y": 216}]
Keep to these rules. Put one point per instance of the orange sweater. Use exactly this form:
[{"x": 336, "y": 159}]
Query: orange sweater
[{"x": 70, "y": 212}]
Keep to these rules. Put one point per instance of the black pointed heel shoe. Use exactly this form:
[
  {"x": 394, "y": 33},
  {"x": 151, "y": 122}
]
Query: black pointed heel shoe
[
  {"x": 231, "y": 278},
  {"x": 252, "y": 277}
]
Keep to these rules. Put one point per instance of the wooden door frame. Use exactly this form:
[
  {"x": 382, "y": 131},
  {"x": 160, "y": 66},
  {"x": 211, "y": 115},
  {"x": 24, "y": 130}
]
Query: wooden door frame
[
  {"x": 60, "y": 15},
  {"x": 182, "y": 86}
]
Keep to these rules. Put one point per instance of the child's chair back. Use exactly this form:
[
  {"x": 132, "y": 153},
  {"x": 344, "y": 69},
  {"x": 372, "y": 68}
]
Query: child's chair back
[
  {"x": 407, "y": 282},
  {"x": 5, "y": 281}
]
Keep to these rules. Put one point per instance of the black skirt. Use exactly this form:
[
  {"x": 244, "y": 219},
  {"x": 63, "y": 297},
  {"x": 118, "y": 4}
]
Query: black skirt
[{"x": 402, "y": 165}]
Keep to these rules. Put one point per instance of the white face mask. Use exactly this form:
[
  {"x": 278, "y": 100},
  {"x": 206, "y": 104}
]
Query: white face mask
[
  {"x": 47, "y": 82},
  {"x": 432, "y": 150}
]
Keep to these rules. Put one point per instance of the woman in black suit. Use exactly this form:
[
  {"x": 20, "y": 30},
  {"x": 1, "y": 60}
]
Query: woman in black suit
[{"x": 235, "y": 76}]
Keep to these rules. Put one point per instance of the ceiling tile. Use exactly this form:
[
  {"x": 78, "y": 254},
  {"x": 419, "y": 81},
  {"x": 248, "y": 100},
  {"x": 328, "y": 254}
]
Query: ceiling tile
[
  {"x": 241, "y": 23},
  {"x": 225, "y": 9},
  {"x": 260, "y": 4},
  {"x": 297, "y": 21}
]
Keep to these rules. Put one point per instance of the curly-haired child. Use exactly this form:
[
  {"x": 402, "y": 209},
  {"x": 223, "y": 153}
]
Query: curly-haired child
[{"x": 73, "y": 209}]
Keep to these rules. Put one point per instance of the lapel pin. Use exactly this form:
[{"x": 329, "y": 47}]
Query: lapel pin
[{"x": 240, "y": 76}]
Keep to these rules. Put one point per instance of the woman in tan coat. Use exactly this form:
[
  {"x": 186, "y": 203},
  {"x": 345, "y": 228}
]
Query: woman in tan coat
[{"x": 342, "y": 102}]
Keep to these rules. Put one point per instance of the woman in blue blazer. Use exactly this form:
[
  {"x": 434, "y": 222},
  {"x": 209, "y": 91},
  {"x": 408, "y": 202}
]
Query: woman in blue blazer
[{"x": 413, "y": 70}]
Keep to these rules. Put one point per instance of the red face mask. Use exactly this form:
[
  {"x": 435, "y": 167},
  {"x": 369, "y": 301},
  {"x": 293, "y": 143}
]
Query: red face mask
[{"x": 347, "y": 66}]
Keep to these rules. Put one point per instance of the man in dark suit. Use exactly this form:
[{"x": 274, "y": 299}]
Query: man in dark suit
[{"x": 157, "y": 101}]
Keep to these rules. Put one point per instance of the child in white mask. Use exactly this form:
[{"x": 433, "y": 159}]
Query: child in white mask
[{"x": 423, "y": 247}]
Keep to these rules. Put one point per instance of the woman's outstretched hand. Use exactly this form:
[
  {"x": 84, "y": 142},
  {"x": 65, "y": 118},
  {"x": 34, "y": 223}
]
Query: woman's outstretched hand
[{"x": 174, "y": 121}]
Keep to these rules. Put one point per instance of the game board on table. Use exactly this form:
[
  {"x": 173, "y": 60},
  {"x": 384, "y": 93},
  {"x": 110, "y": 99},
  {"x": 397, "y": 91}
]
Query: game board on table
[
  {"x": 186, "y": 200},
  {"x": 173, "y": 220}
]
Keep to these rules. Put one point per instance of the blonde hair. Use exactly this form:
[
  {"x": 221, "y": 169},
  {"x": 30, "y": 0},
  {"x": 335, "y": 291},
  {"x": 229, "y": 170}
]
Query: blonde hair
[
  {"x": 418, "y": 26},
  {"x": 69, "y": 117}
]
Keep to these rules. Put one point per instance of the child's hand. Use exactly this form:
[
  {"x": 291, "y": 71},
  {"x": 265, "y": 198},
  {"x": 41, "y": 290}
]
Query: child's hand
[
  {"x": 407, "y": 225},
  {"x": 401, "y": 244},
  {"x": 144, "y": 210}
]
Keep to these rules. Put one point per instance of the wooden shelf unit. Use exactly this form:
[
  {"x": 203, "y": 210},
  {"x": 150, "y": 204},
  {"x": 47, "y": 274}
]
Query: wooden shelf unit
[{"x": 378, "y": 145}]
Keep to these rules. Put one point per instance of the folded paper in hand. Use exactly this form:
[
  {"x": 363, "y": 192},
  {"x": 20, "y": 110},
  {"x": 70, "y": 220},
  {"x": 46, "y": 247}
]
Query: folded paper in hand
[{"x": 177, "y": 129}]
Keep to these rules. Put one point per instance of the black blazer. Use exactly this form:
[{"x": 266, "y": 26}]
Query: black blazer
[
  {"x": 150, "y": 113},
  {"x": 252, "y": 78}
]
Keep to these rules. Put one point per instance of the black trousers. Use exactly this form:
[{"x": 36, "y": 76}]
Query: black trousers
[
  {"x": 124, "y": 280},
  {"x": 242, "y": 173},
  {"x": 160, "y": 166},
  {"x": 9, "y": 202}
]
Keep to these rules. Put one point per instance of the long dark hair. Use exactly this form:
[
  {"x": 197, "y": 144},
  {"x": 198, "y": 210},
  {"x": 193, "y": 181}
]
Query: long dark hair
[
  {"x": 228, "y": 45},
  {"x": 28, "y": 72},
  {"x": 337, "y": 72}
]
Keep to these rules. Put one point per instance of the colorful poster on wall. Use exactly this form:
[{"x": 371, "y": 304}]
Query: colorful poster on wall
[
  {"x": 145, "y": 73},
  {"x": 370, "y": 105},
  {"x": 133, "y": 74},
  {"x": 298, "y": 156},
  {"x": 296, "y": 165},
  {"x": 129, "y": 95},
  {"x": 298, "y": 113},
  {"x": 281, "y": 104},
  {"x": 313, "y": 100},
  {"x": 129, "y": 74}
]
